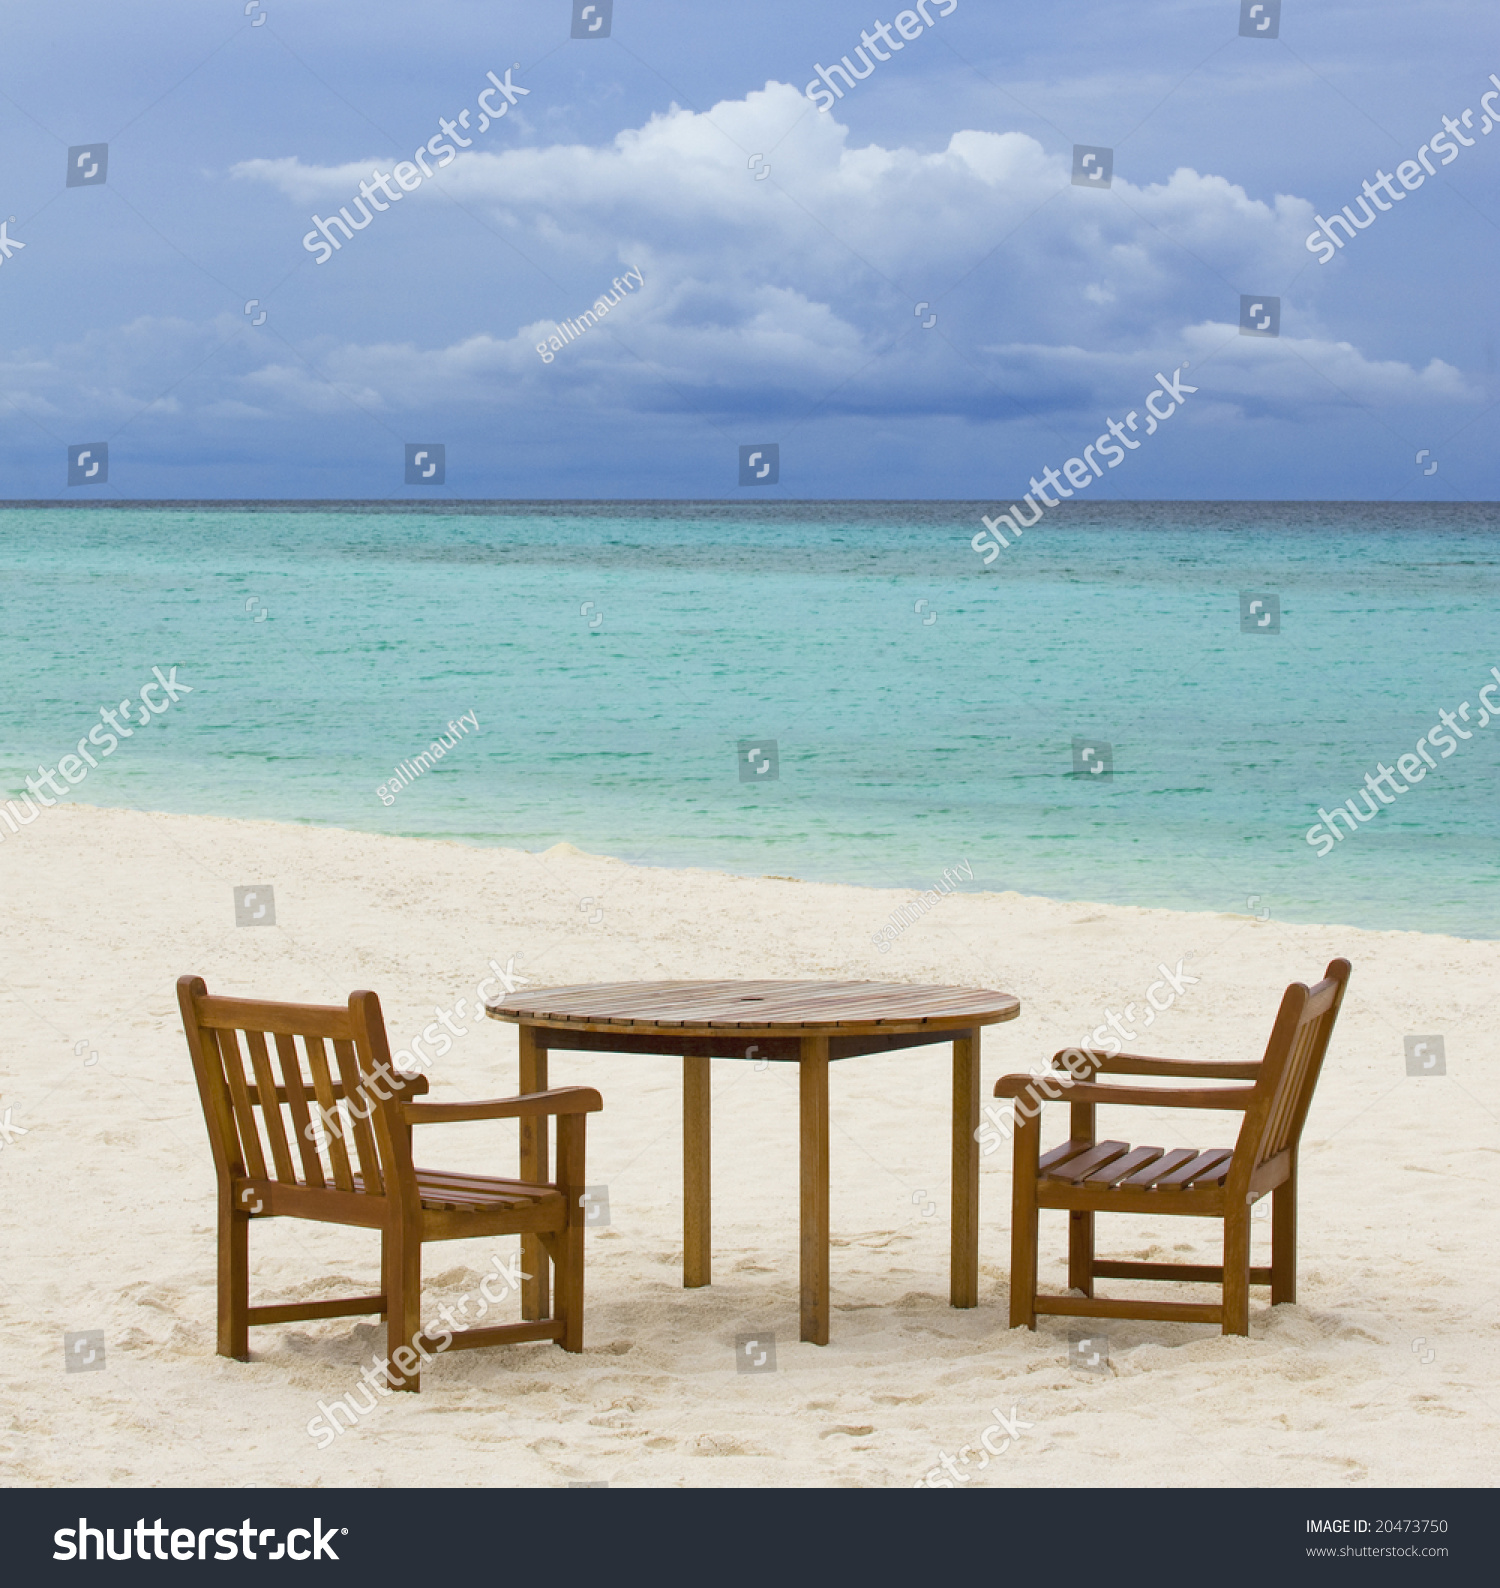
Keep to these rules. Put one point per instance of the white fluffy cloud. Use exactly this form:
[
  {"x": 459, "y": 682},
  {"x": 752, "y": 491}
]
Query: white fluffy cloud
[
  {"x": 806, "y": 281},
  {"x": 801, "y": 287}
]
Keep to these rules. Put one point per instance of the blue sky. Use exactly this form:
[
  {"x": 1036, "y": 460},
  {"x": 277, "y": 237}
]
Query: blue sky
[{"x": 772, "y": 307}]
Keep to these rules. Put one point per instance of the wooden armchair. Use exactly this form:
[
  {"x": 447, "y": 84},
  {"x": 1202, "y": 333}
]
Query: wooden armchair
[
  {"x": 1088, "y": 1177},
  {"x": 259, "y": 1103}
]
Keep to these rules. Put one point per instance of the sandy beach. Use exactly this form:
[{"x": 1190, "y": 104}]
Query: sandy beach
[{"x": 1382, "y": 1373}]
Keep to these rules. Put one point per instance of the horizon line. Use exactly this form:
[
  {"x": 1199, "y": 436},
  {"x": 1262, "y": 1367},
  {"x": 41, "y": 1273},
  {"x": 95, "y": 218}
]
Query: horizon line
[{"x": 407, "y": 504}]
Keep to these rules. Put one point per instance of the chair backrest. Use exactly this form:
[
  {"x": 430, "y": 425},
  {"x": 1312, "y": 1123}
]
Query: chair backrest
[
  {"x": 1289, "y": 1071},
  {"x": 262, "y": 1105}
]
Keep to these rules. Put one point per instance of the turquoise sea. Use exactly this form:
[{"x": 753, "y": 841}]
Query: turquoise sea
[{"x": 923, "y": 706}]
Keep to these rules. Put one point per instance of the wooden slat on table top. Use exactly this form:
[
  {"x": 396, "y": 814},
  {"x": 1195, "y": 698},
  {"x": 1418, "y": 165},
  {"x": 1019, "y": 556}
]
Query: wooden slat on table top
[
  {"x": 820, "y": 1006},
  {"x": 753, "y": 1003},
  {"x": 739, "y": 1004}
]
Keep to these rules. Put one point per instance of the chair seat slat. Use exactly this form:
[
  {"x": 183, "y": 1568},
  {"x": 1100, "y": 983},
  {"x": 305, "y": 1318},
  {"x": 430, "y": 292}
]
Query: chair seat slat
[
  {"x": 1165, "y": 1164},
  {"x": 1069, "y": 1149},
  {"x": 1113, "y": 1173},
  {"x": 1079, "y": 1168},
  {"x": 1195, "y": 1169}
]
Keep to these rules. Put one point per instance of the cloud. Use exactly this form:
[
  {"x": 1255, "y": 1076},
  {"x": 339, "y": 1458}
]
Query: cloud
[
  {"x": 778, "y": 295},
  {"x": 859, "y": 227},
  {"x": 306, "y": 184}
]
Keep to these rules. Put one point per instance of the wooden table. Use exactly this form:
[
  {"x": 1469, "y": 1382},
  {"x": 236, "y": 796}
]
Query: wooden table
[{"x": 809, "y": 1023}]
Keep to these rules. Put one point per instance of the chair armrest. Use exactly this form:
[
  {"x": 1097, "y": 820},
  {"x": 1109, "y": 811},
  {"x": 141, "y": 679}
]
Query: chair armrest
[
  {"x": 561, "y": 1100},
  {"x": 1186, "y": 1069},
  {"x": 1227, "y": 1097}
]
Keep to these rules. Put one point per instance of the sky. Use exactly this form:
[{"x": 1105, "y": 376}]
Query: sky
[{"x": 903, "y": 289}]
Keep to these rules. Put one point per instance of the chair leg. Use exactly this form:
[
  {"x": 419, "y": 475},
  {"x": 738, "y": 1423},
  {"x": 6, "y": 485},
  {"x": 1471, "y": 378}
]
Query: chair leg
[
  {"x": 234, "y": 1282},
  {"x": 401, "y": 1268},
  {"x": 1081, "y": 1251},
  {"x": 1023, "y": 1220},
  {"x": 568, "y": 1242},
  {"x": 1284, "y": 1240},
  {"x": 1236, "y": 1297},
  {"x": 388, "y": 1280}
]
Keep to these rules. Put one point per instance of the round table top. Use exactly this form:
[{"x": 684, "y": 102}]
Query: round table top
[{"x": 844, "y": 1006}]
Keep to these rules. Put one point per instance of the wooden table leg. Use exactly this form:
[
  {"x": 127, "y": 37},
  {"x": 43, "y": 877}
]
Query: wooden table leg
[
  {"x": 814, "y": 1089},
  {"x": 697, "y": 1196},
  {"x": 963, "y": 1257},
  {"x": 536, "y": 1291}
]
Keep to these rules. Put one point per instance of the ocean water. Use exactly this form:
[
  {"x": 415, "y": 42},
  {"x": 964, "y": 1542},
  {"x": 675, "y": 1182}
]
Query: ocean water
[{"x": 922, "y": 707}]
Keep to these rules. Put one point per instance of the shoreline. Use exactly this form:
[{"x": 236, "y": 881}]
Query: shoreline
[{"x": 903, "y": 895}]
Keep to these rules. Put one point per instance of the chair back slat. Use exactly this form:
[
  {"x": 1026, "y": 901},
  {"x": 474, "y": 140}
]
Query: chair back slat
[
  {"x": 251, "y": 1154},
  {"x": 1283, "y": 1109},
  {"x": 296, "y": 1102},
  {"x": 270, "y": 1109},
  {"x": 213, "y": 1091},
  {"x": 1290, "y": 1069},
  {"x": 317, "y": 1062},
  {"x": 359, "y": 1103}
]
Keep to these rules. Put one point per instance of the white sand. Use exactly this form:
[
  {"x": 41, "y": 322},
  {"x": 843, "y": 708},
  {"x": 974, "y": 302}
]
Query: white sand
[{"x": 1383, "y": 1373}]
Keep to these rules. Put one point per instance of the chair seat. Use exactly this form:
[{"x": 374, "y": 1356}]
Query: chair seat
[
  {"x": 1106, "y": 1164},
  {"x": 444, "y": 1191}
]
